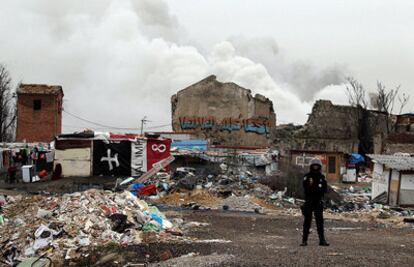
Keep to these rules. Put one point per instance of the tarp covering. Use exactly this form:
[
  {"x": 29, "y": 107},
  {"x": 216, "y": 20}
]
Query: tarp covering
[
  {"x": 189, "y": 145},
  {"x": 356, "y": 158}
]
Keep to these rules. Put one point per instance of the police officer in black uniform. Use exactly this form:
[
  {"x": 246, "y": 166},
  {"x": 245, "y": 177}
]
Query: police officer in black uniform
[{"x": 315, "y": 187}]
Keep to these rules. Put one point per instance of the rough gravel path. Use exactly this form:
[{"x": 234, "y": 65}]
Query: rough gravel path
[{"x": 267, "y": 240}]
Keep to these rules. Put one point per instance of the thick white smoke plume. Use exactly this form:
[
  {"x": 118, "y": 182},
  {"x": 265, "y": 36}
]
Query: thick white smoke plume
[
  {"x": 302, "y": 78},
  {"x": 121, "y": 60}
]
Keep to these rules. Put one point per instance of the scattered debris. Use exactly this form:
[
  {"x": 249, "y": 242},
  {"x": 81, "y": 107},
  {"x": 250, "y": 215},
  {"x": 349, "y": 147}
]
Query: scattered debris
[
  {"x": 245, "y": 203},
  {"x": 409, "y": 220},
  {"x": 64, "y": 227}
]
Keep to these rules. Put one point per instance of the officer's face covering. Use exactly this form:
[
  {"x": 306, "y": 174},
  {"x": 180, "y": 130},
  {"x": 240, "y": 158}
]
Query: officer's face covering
[{"x": 315, "y": 168}]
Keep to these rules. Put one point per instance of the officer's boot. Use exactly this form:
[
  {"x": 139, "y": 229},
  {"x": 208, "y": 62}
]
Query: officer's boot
[
  {"x": 322, "y": 240},
  {"x": 304, "y": 239},
  {"x": 319, "y": 227}
]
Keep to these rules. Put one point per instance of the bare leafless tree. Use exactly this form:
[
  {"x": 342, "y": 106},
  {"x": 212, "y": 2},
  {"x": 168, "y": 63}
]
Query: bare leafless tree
[
  {"x": 357, "y": 95},
  {"x": 385, "y": 101},
  {"x": 7, "y": 106},
  {"x": 357, "y": 98},
  {"x": 386, "y": 98},
  {"x": 403, "y": 100},
  {"x": 382, "y": 100}
]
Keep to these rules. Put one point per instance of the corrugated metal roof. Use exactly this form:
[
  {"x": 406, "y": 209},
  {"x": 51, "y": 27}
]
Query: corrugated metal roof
[
  {"x": 401, "y": 163},
  {"x": 43, "y": 89}
]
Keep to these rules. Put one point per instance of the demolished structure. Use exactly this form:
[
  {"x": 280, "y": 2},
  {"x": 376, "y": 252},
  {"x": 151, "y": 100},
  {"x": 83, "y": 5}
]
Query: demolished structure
[
  {"x": 402, "y": 140},
  {"x": 224, "y": 113},
  {"x": 340, "y": 128},
  {"x": 332, "y": 133}
]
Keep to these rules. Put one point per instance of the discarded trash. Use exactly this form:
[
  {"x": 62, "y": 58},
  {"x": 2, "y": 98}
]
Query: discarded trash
[
  {"x": 223, "y": 167},
  {"x": 188, "y": 182},
  {"x": 75, "y": 222},
  {"x": 281, "y": 194},
  {"x": 155, "y": 168},
  {"x": 335, "y": 254},
  {"x": 43, "y": 237},
  {"x": 119, "y": 222},
  {"x": 41, "y": 213},
  {"x": 36, "y": 261},
  {"x": 381, "y": 198},
  {"x": 290, "y": 200},
  {"x": 127, "y": 180},
  {"x": 345, "y": 228},
  {"x": 409, "y": 220},
  {"x": 384, "y": 215},
  {"x": 148, "y": 190}
]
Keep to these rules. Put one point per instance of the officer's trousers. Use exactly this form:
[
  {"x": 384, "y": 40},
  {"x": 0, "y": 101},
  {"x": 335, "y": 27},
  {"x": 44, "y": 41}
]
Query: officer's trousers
[{"x": 317, "y": 209}]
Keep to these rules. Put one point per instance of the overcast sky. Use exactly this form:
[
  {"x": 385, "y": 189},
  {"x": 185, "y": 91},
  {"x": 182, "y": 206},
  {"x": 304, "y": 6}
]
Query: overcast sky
[{"x": 120, "y": 60}]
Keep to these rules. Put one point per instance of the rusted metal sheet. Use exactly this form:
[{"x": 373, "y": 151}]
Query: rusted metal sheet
[{"x": 72, "y": 143}]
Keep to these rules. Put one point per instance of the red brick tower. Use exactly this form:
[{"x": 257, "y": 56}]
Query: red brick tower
[{"x": 39, "y": 112}]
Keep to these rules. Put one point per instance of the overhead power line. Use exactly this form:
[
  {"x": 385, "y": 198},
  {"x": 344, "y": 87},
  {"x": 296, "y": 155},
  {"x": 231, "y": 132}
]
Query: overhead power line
[{"x": 104, "y": 126}]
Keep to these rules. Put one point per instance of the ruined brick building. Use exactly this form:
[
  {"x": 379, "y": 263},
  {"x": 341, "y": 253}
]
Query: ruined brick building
[
  {"x": 402, "y": 140},
  {"x": 224, "y": 113},
  {"x": 39, "y": 112},
  {"x": 336, "y": 128},
  {"x": 331, "y": 133}
]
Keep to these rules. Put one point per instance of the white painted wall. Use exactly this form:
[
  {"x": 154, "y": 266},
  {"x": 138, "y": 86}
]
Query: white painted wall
[
  {"x": 407, "y": 189},
  {"x": 75, "y": 162},
  {"x": 379, "y": 180}
]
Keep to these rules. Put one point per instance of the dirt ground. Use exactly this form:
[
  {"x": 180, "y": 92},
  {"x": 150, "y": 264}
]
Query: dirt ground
[{"x": 249, "y": 239}]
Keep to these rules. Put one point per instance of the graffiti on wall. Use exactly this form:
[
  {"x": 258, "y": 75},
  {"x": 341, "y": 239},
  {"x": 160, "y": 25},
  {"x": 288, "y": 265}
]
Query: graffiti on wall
[{"x": 255, "y": 125}]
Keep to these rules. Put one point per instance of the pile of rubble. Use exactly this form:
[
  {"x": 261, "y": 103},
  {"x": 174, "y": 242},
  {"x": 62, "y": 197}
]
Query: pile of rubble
[
  {"x": 188, "y": 188},
  {"x": 222, "y": 184},
  {"x": 241, "y": 190},
  {"x": 65, "y": 227},
  {"x": 241, "y": 204},
  {"x": 351, "y": 199},
  {"x": 357, "y": 205}
]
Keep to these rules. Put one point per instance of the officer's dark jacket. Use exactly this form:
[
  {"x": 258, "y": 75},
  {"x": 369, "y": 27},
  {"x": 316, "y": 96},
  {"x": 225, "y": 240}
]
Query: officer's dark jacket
[{"x": 315, "y": 192}]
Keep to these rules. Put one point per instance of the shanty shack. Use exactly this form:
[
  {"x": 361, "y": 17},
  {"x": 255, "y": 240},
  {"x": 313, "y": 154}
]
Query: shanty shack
[
  {"x": 393, "y": 179},
  {"x": 74, "y": 156},
  {"x": 333, "y": 162},
  {"x": 108, "y": 154}
]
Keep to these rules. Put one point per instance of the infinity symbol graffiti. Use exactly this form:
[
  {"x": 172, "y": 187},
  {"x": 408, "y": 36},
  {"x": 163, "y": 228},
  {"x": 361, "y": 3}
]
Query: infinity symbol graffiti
[{"x": 160, "y": 148}]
